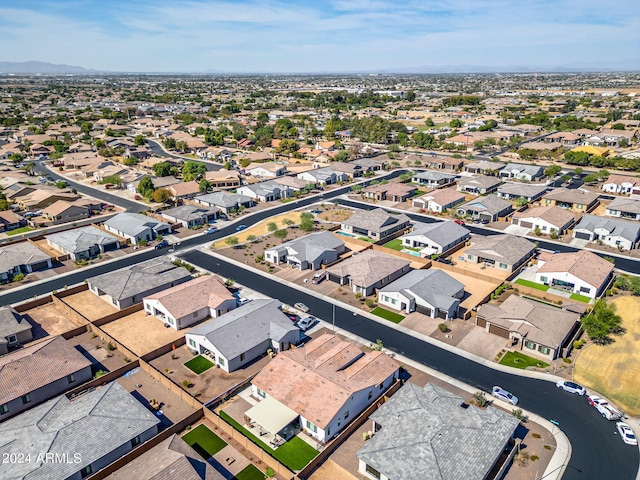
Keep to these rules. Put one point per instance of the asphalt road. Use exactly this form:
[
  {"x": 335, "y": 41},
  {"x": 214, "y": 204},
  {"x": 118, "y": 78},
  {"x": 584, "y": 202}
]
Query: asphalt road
[
  {"x": 158, "y": 151},
  {"x": 598, "y": 453}
]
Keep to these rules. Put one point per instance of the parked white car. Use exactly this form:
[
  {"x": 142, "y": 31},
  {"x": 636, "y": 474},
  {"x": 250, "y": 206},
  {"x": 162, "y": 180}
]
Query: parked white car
[
  {"x": 571, "y": 387},
  {"x": 306, "y": 323},
  {"x": 502, "y": 394},
  {"x": 604, "y": 407},
  {"x": 626, "y": 433},
  {"x": 242, "y": 301}
]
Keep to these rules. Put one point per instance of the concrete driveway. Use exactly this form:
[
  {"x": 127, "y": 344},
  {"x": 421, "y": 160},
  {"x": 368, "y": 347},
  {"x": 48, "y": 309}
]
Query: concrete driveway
[{"x": 484, "y": 344}]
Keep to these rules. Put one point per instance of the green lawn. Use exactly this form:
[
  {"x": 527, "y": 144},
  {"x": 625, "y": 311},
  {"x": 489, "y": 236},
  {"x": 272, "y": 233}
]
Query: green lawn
[
  {"x": 537, "y": 286},
  {"x": 250, "y": 472},
  {"x": 286, "y": 200},
  {"x": 366, "y": 239},
  {"x": 204, "y": 441},
  {"x": 395, "y": 244},
  {"x": 580, "y": 298},
  {"x": 519, "y": 360},
  {"x": 198, "y": 364},
  {"x": 295, "y": 454},
  {"x": 387, "y": 315},
  {"x": 20, "y": 230}
]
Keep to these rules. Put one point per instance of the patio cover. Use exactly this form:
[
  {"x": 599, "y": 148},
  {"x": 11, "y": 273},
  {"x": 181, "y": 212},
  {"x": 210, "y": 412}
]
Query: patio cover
[{"x": 271, "y": 415}]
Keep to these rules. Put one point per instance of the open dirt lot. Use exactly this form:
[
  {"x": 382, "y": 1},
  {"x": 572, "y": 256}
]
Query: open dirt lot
[
  {"x": 614, "y": 370},
  {"x": 48, "y": 320},
  {"x": 89, "y": 305},
  {"x": 96, "y": 350},
  {"x": 141, "y": 333}
]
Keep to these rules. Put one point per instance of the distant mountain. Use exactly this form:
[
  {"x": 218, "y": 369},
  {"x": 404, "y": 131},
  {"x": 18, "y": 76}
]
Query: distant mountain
[
  {"x": 32, "y": 68},
  {"x": 621, "y": 66}
]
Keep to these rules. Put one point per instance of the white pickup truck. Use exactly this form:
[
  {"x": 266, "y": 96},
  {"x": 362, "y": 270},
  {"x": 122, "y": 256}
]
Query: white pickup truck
[{"x": 605, "y": 408}]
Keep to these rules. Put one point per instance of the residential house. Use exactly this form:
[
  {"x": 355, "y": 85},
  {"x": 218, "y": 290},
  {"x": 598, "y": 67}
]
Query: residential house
[
  {"x": 42, "y": 198},
  {"x": 226, "y": 202},
  {"x": 351, "y": 170},
  {"x": 520, "y": 171},
  {"x": 432, "y": 292},
  {"x": 190, "y": 215},
  {"x": 88, "y": 432},
  {"x": 158, "y": 182},
  {"x": 190, "y": 302},
  {"x": 63, "y": 211},
  {"x": 308, "y": 252},
  {"x": 487, "y": 209},
  {"x": 369, "y": 164},
  {"x": 265, "y": 191},
  {"x": 546, "y": 219},
  {"x": 9, "y": 220},
  {"x": 394, "y": 192},
  {"x": 418, "y": 436},
  {"x": 433, "y": 179},
  {"x": 564, "y": 138},
  {"x": 444, "y": 163},
  {"x": 436, "y": 237},
  {"x": 573, "y": 199},
  {"x": 484, "y": 167},
  {"x": 170, "y": 458},
  {"x": 321, "y": 387},
  {"x": 537, "y": 328},
  {"x": 83, "y": 243},
  {"x": 620, "y": 183},
  {"x": 506, "y": 252},
  {"x": 367, "y": 271},
  {"x": 322, "y": 176},
  {"x": 581, "y": 272},
  {"x": 439, "y": 200},
  {"x": 613, "y": 232},
  {"x": 295, "y": 183},
  {"x": 38, "y": 373},
  {"x": 244, "y": 334},
  {"x": 515, "y": 191},
  {"x": 184, "y": 190},
  {"x": 376, "y": 224},
  {"x": 223, "y": 179},
  {"x": 478, "y": 184},
  {"x": 266, "y": 170},
  {"x": 128, "y": 286},
  {"x": 22, "y": 257},
  {"x": 136, "y": 227},
  {"x": 623, "y": 207},
  {"x": 14, "y": 331}
]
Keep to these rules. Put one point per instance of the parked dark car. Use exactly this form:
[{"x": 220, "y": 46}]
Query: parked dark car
[{"x": 162, "y": 244}]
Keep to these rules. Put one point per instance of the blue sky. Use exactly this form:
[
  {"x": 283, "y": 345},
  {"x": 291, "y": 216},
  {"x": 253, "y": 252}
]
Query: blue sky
[{"x": 315, "y": 36}]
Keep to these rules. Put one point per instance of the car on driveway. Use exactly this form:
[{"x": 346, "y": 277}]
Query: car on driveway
[
  {"x": 306, "y": 323},
  {"x": 571, "y": 387},
  {"x": 459, "y": 222},
  {"x": 162, "y": 244},
  {"x": 302, "y": 307},
  {"x": 626, "y": 433},
  {"x": 242, "y": 301},
  {"x": 240, "y": 228},
  {"x": 210, "y": 230},
  {"x": 604, "y": 407},
  {"x": 502, "y": 394}
]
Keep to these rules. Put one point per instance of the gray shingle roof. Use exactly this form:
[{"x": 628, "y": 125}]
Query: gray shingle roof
[
  {"x": 375, "y": 220},
  {"x": 481, "y": 181},
  {"x": 93, "y": 425},
  {"x": 368, "y": 267},
  {"x": 189, "y": 212},
  {"x": 245, "y": 327},
  {"x": 491, "y": 204},
  {"x": 430, "y": 175},
  {"x": 11, "y": 323},
  {"x": 310, "y": 247},
  {"x": 81, "y": 239},
  {"x": 21, "y": 253},
  {"x": 427, "y": 435},
  {"x": 522, "y": 168},
  {"x": 222, "y": 199},
  {"x": 624, "y": 204},
  {"x": 434, "y": 286},
  {"x": 441, "y": 233},
  {"x": 527, "y": 190},
  {"x": 502, "y": 248},
  {"x": 134, "y": 223},
  {"x": 614, "y": 227}
]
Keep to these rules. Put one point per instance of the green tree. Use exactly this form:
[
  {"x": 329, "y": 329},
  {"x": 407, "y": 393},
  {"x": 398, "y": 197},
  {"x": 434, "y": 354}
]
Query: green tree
[
  {"x": 232, "y": 242},
  {"x": 145, "y": 187},
  {"x": 169, "y": 143},
  {"x": 281, "y": 234},
  {"x": 161, "y": 195},
  {"x": 162, "y": 169},
  {"x": 602, "y": 322},
  {"x": 16, "y": 158},
  {"x": 139, "y": 140},
  {"x": 191, "y": 170},
  {"x": 552, "y": 170},
  {"x": 342, "y": 156},
  {"x": 429, "y": 122},
  {"x": 182, "y": 146},
  {"x": 288, "y": 222},
  {"x": 306, "y": 221},
  {"x": 456, "y": 123},
  {"x": 272, "y": 226},
  {"x": 410, "y": 96},
  {"x": 112, "y": 179},
  {"x": 204, "y": 185}
]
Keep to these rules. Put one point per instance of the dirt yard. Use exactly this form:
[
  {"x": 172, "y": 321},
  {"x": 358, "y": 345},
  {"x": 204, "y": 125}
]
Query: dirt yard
[
  {"x": 141, "y": 333},
  {"x": 47, "y": 320},
  {"x": 614, "y": 370},
  {"x": 89, "y": 305}
]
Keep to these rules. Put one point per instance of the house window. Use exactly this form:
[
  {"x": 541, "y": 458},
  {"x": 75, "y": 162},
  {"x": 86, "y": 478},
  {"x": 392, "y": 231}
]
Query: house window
[
  {"x": 578, "y": 206},
  {"x": 544, "y": 350},
  {"x": 260, "y": 393},
  {"x": 370, "y": 394},
  {"x": 86, "y": 471},
  {"x": 543, "y": 279},
  {"x": 346, "y": 414},
  {"x": 502, "y": 265},
  {"x": 192, "y": 342},
  {"x": 328, "y": 431},
  {"x": 585, "y": 290},
  {"x": 195, "y": 314},
  {"x": 26, "y": 399},
  {"x": 71, "y": 378},
  {"x": 11, "y": 339},
  {"x": 312, "y": 427},
  {"x": 242, "y": 357},
  {"x": 4, "y": 409},
  {"x": 135, "y": 441},
  {"x": 372, "y": 471},
  {"x": 529, "y": 344},
  {"x": 393, "y": 301},
  {"x": 221, "y": 361}
]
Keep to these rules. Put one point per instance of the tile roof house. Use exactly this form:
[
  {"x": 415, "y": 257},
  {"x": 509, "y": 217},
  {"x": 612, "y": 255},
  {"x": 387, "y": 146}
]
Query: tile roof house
[
  {"x": 610, "y": 231},
  {"x": 324, "y": 385},
  {"x": 136, "y": 227},
  {"x": 9, "y": 220},
  {"x": 432, "y": 292},
  {"x": 190, "y": 215},
  {"x": 294, "y": 183},
  {"x": 83, "y": 243},
  {"x": 38, "y": 373},
  {"x": 190, "y": 302},
  {"x": 623, "y": 207},
  {"x": 478, "y": 184},
  {"x": 183, "y": 190},
  {"x": 128, "y": 286},
  {"x": 89, "y": 432},
  {"x": 376, "y": 224},
  {"x": 367, "y": 271},
  {"x": 394, "y": 192},
  {"x": 488, "y": 208},
  {"x": 436, "y": 237},
  {"x": 266, "y": 169},
  {"x": 322, "y": 176},
  {"x": 244, "y": 334},
  {"x": 539, "y": 328},
  {"x": 620, "y": 183},
  {"x": 439, "y": 200},
  {"x": 265, "y": 191},
  {"x": 14, "y": 330},
  {"x": 521, "y": 171},
  {"x": 171, "y": 459},
  {"x": 226, "y": 202},
  {"x": 547, "y": 219},
  {"x": 308, "y": 252},
  {"x": 22, "y": 257},
  {"x": 64, "y": 211},
  {"x": 223, "y": 179},
  {"x": 582, "y": 272},
  {"x": 506, "y": 252},
  {"x": 42, "y": 198},
  {"x": 483, "y": 167},
  {"x": 426, "y": 433},
  {"x": 572, "y": 199},
  {"x": 433, "y": 179},
  {"x": 514, "y": 191}
]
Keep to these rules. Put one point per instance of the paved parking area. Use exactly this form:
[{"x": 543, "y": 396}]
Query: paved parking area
[
  {"x": 89, "y": 305},
  {"x": 482, "y": 343}
]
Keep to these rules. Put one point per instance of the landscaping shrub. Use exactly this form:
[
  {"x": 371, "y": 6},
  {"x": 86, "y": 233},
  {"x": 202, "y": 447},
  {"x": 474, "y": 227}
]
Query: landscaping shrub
[{"x": 443, "y": 327}]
